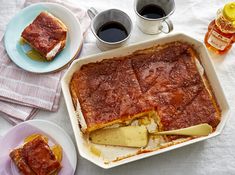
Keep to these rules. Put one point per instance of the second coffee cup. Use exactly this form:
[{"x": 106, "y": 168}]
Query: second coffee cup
[
  {"x": 153, "y": 15},
  {"x": 112, "y": 28}
]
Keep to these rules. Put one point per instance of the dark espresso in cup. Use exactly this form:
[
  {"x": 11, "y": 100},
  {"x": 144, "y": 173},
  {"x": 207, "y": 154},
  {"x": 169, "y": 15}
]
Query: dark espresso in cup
[
  {"x": 112, "y": 32},
  {"x": 152, "y": 11},
  {"x": 112, "y": 28}
]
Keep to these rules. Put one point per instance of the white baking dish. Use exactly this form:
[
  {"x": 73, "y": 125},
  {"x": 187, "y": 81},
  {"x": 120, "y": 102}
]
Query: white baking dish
[{"x": 82, "y": 144}]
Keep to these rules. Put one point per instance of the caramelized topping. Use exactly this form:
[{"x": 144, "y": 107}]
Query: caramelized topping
[
  {"x": 36, "y": 157},
  {"x": 44, "y": 33},
  {"x": 163, "y": 78}
]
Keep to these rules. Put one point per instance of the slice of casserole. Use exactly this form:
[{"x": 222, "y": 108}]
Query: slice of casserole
[
  {"x": 108, "y": 93},
  {"x": 46, "y": 34},
  {"x": 35, "y": 157}
]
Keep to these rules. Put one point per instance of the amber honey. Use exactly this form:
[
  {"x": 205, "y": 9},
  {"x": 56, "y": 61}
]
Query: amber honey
[
  {"x": 218, "y": 41},
  {"x": 33, "y": 54},
  {"x": 221, "y": 31},
  {"x": 36, "y": 56}
]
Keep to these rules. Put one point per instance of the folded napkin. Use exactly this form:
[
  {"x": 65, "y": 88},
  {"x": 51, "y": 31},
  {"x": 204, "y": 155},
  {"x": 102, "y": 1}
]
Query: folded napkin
[{"x": 23, "y": 93}]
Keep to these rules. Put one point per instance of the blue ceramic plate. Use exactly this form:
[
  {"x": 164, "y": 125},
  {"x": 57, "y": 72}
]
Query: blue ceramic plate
[{"x": 17, "y": 52}]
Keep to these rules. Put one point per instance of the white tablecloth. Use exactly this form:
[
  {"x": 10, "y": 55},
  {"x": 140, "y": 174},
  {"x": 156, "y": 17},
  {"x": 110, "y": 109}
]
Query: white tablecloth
[{"x": 215, "y": 156}]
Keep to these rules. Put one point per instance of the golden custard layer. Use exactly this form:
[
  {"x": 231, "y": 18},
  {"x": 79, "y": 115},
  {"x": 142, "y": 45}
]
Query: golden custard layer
[{"x": 162, "y": 78}]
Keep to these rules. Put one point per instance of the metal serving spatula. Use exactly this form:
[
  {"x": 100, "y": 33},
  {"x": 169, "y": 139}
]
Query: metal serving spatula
[
  {"x": 196, "y": 130},
  {"x": 137, "y": 136}
]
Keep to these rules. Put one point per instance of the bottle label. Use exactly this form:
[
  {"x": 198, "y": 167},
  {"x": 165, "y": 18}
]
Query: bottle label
[{"x": 218, "y": 41}]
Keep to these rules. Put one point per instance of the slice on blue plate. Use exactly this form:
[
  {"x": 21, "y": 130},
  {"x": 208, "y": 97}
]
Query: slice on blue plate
[
  {"x": 26, "y": 146},
  {"x": 43, "y": 37}
]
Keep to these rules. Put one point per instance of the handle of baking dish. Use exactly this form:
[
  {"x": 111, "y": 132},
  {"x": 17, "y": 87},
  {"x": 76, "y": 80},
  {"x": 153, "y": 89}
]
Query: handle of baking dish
[
  {"x": 92, "y": 12},
  {"x": 169, "y": 26}
]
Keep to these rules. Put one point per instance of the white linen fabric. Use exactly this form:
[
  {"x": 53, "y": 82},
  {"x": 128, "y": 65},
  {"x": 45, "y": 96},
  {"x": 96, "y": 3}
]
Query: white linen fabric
[{"x": 215, "y": 156}]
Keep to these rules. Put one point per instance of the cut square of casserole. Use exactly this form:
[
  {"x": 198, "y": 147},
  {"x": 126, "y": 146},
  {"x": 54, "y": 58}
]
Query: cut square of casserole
[
  {"x": 109, "y": 93},
  {"x": 35, "y": 157},
  {"x": 46, "y": 34},
  {"x": 171, "y": 81},
  {"x": 164, "y": 79},
  {"x": 168, "y": 67}
]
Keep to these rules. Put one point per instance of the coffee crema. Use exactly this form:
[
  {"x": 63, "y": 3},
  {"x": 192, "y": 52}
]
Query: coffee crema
[
  {"x": 152, "y": 11},
  {"x": 112, "y": 32}
]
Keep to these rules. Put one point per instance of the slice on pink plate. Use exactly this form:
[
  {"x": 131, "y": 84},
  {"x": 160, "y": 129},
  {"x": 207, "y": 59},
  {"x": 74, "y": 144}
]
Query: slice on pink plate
[{"x": 14, "y": 138}]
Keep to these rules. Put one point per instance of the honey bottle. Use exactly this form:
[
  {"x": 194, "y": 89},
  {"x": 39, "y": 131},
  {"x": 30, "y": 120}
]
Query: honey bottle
[{"x": 221, "y": 31}]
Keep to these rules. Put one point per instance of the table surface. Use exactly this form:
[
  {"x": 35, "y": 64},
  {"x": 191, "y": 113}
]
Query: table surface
[{"x": 214, "y": 156}]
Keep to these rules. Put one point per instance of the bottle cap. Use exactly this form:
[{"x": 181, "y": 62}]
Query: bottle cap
[{"x": 229, "y": 11}]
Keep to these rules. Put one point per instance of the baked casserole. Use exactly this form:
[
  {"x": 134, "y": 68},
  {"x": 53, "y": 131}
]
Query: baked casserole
[{"x": 163, "y": 88}]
